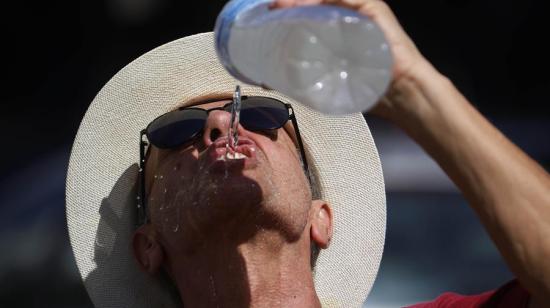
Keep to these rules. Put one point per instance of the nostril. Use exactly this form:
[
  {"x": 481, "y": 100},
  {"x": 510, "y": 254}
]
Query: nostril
[{"x": 215, "y": 134}]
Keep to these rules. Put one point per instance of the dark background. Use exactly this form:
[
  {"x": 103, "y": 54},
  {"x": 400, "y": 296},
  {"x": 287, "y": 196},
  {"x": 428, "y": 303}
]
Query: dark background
[{"x": 58, "y": 54}]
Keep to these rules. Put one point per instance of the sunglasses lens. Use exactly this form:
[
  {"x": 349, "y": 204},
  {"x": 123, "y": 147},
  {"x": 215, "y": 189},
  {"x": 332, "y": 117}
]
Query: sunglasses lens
[
  {"x": 259, "y": 113},
  {"x": 175, "y": 128}
]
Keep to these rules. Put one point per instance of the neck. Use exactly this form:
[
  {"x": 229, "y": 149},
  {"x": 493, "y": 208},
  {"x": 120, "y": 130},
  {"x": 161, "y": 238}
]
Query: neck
[{"x": 259, "y": 273}]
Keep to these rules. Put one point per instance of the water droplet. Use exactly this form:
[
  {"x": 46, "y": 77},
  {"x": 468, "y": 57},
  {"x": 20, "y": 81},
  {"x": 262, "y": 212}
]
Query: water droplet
[
  {"x": 313, "y": 39},
  {"x": 213, "y": 288},
  {"x": 161, "y": 177},
  {"x": 319, "y": 85},
  {"x": 176, "y": 228},
  {"x": 156, "y": 176},
  {"x": 165, "y": 190},
  {"x": 343, "y": 75},
  {"x": 99, "y": 243},
  {"x": 351, "y": 19}
]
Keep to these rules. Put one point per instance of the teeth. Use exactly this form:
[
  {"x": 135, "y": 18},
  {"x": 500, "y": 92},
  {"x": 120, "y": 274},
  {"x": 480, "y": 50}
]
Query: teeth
[{"x": 235, "y": 155}]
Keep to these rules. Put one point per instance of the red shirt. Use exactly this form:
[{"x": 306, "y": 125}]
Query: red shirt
[{"x": 510, "y": 295}]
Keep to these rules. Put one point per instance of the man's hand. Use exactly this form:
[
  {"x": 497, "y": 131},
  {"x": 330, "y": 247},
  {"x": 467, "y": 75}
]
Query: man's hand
[
  {"x": 407, "y": 58},
  {"x": 405, "y": 53}
]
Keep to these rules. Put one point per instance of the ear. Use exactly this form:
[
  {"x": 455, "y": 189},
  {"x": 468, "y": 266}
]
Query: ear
[
  {"x": 147, "y": 250},
  {"x": 321, "y": 223}
]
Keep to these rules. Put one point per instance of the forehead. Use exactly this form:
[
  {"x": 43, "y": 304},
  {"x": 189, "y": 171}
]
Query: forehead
[
  {"x": 207, "y": 101},
  {"x": 210, "y": 104}
]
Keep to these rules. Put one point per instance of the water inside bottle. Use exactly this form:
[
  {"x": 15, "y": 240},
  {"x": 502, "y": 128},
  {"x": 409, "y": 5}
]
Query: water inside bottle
[
  {"x": 232, "y": 131},
  {"x": 337, "y": 66}
]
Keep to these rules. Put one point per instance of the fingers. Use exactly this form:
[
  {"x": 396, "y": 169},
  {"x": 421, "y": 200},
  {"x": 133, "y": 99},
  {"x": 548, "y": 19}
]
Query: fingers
[
  {"x": 357, "y": 4},
  {"x": 352, "y": 4},
  {"x": 382, "y": 14},
  {"x": 363, "y": 6},
  {"x": 375, "y": 8},
  {"x": 279, "y": 4}
]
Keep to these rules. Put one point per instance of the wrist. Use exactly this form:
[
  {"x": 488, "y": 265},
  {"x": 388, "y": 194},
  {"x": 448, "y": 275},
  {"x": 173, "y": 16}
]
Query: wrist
[{"x": 414, "y": 95}]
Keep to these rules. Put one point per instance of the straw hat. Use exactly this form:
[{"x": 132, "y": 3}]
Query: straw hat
[{"x": 101, "y": 180}]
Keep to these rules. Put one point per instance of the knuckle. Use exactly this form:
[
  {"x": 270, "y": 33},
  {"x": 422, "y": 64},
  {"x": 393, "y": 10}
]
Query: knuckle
[{"x": 375, "y": 5}]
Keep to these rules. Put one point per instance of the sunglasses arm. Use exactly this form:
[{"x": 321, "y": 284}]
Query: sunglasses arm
[
  {"x": 292, "y": 117},
  {"x": 141, "y": 206}
]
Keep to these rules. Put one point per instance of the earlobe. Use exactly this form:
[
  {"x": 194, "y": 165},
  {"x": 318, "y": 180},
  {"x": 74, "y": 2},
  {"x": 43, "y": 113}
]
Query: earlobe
[
  {"x": 321, "y": 223},
  {"x": 147, "y": 251}
]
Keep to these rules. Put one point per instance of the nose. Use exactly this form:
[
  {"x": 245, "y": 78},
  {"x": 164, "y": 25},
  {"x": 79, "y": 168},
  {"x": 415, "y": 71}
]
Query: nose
[{"x": 217, "y": 125}]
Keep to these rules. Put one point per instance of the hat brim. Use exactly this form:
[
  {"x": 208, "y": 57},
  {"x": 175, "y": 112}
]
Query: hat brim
[{"x": 101, "y": 192}]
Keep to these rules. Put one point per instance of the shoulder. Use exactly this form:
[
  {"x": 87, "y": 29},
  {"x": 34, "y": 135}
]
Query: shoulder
[{"x": 509, "y": 295}]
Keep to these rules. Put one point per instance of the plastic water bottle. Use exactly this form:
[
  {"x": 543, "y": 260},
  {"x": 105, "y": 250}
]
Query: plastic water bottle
[{"x": 332, "y": 59}]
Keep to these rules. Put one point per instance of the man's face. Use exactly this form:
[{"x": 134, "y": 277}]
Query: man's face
[{"x": 195, "y": 194}]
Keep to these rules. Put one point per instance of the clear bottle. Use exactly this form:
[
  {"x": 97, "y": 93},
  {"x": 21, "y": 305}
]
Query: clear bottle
[{"x": 332, "y": 59}]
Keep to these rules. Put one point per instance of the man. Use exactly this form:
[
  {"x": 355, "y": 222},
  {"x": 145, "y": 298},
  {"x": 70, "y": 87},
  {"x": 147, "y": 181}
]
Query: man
[{"x": 243, "y": 230}]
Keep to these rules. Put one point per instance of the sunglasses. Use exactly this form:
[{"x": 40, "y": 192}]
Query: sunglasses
[{"x": 181, "y": 126}]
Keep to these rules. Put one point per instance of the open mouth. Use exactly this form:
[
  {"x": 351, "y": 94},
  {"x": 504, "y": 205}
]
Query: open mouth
[
  {"x": 244, "y": 153},
  {"x": 240, "y": 152}
]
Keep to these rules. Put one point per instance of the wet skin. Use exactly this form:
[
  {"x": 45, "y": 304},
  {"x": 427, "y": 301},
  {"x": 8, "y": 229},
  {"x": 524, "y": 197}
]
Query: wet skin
[
  {"x": 233, "y": 233},
  {"x": 193, "y": 193}
]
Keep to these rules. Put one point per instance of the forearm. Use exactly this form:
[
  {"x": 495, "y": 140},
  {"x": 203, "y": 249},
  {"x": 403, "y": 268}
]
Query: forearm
[{"x": 508, "y": 190}]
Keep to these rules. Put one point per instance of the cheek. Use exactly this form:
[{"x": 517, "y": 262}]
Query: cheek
[
  {"x": 171, "y": 183},
  {"x": 290, "y": 172},
  {"x": 290, "y": 155}
]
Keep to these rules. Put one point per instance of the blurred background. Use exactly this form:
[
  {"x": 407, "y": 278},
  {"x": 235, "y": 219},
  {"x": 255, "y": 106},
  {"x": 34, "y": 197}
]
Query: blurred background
[{"x": 58, "y": 55}]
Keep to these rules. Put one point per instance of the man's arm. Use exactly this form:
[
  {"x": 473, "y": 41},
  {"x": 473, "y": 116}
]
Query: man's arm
[{"x": 507, "y": 189}]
